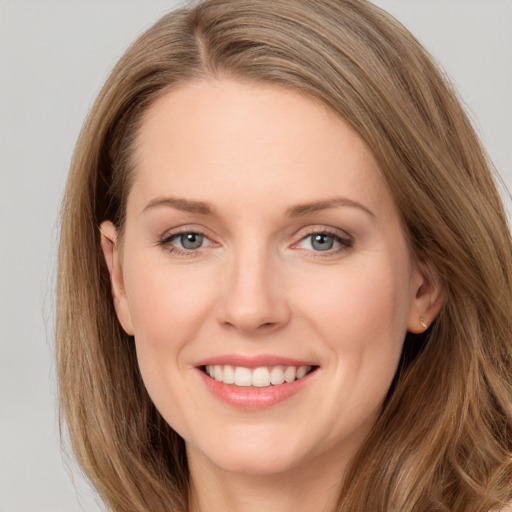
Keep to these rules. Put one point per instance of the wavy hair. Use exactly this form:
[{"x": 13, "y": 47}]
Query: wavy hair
[{"x": 443, "y": 441}]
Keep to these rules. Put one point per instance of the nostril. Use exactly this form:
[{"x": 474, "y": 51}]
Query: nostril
[{"x": 256, "y": 312}]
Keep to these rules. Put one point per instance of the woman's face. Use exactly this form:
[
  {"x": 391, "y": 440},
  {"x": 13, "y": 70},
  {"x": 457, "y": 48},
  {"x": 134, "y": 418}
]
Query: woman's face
[{"x": 262, "y": 243}]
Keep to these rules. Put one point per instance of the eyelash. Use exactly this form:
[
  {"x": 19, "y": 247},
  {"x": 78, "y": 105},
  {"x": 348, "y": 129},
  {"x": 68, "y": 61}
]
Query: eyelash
[
  {"x": 345, "y": 243},
  {"x": 166, "y": 241}
]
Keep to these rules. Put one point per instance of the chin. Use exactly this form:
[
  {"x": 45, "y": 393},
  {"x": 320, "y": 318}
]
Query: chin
[{"x": 251, "y": 453}]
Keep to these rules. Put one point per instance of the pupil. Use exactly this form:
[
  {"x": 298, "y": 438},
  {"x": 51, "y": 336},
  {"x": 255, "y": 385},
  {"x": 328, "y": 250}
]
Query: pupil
[
  {"x": 322, "y": 242},
  {"x": 191, "y": 240}
]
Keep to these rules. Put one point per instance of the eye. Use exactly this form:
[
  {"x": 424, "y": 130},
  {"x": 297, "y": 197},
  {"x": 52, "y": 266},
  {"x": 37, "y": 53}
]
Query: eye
[
  {"x": 185, "y": 241},
  {"x": 323, "y": 242},
  {"x": 190, "y": 241}
]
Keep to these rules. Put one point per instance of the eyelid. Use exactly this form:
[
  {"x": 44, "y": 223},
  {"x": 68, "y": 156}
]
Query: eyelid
[
  {"x": 171, "y": 236},
  {"x": 165, "y": 239},
  {"x": 319, "y": 228},
  {"x": 184, "y": 228},
  {"x": 345, "y": 240}
]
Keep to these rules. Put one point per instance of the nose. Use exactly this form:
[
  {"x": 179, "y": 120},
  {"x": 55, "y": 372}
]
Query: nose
[{"x": 254, "y": 300}]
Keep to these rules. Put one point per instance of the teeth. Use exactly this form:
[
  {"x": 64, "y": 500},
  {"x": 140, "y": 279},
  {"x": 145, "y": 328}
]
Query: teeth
[
  {"x": 259, "y": 377},
  {"x": 228, "y": 375},
  {"x": 290, "y": 374},
  {"x": 217, "y": 373},
  {"x": 243, "y": 376},
  {"x": 277, "y": 375},
  {"x": 301, "y": 371}
]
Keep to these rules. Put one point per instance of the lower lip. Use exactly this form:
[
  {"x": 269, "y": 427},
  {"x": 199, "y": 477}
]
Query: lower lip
[{"x": 254, "y": 397}]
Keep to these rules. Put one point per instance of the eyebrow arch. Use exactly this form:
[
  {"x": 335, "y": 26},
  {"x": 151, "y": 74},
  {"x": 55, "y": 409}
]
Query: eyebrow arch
[
  {"x": 299, "y": 210},
  {"x": 316, "y": 206},
  {"x": 178, "y": 203}
]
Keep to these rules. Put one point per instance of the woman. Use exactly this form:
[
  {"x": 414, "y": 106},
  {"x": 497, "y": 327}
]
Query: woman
[{"x": 285, "y": 273}]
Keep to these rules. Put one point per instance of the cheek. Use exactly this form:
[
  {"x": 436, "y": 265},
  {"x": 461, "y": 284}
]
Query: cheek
[
  {"x": 361, "y": 312},
  {"x": 166, "y": 304},
  {"x": 359, "y": 293},
  {"x": 168, "y": 308}
]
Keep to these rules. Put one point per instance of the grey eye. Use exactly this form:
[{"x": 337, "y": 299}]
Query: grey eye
[
  {"x": 191, "y": 241},
  {"x": 321, "y": 242}
]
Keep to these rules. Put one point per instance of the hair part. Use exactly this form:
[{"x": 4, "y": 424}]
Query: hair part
[{"x": 444, "y": 438}]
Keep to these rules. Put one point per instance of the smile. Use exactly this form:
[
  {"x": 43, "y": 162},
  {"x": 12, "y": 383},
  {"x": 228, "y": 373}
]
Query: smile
[
  {"x": 250, "y": 383},
  {"x": 261, "y": 377}
]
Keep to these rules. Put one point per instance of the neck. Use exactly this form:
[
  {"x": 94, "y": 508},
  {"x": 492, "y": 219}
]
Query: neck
[{"x": 295, "y": 490}]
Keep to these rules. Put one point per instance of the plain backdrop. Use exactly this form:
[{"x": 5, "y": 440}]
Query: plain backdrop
[{"x": 54, "y": 56}]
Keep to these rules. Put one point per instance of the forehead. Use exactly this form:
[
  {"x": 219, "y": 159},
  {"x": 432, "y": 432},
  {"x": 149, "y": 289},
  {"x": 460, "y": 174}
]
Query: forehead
[{"x": 214, "y": 139}]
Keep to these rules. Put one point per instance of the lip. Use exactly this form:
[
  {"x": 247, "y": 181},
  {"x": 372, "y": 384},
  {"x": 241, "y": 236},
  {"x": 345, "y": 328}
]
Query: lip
[
  {"x": 253, "y": 398},
  {"x": 252, "y": 362}
]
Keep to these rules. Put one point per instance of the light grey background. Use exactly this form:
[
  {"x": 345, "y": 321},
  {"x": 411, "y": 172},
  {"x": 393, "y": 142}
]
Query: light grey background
[{"x": 54, "y": 56}]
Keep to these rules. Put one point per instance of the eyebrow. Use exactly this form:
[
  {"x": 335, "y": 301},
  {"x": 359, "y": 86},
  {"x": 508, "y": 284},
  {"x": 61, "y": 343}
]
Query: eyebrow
[
  {"x": 316, "y": 206},
  {"x": 185, "y": 205},
  {"x": 204, "y": 208}
]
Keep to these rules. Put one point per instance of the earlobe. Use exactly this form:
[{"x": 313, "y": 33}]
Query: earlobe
[
  {"x": 111, "y": 255},
  {"x": 427, "y": 301}
]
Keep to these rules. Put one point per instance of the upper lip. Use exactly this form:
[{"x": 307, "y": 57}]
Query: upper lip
[{"x": 256, "y": 361}]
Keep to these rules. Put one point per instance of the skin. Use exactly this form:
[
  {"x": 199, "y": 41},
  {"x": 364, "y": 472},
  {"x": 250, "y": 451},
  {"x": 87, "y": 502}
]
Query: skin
[{"x": 258, "y": 285}]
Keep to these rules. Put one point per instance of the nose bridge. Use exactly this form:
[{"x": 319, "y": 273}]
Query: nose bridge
[{"x": 254, "y": 299}]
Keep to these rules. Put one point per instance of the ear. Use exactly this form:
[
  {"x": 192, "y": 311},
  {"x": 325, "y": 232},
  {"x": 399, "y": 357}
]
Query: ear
[
  {"x": 111, "y": 255},
  {"x": 427, "y": 300}
]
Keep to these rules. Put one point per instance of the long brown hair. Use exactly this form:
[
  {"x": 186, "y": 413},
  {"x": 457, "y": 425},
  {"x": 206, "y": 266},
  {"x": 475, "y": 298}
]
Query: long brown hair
[{"x": 444, "y": 439}]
